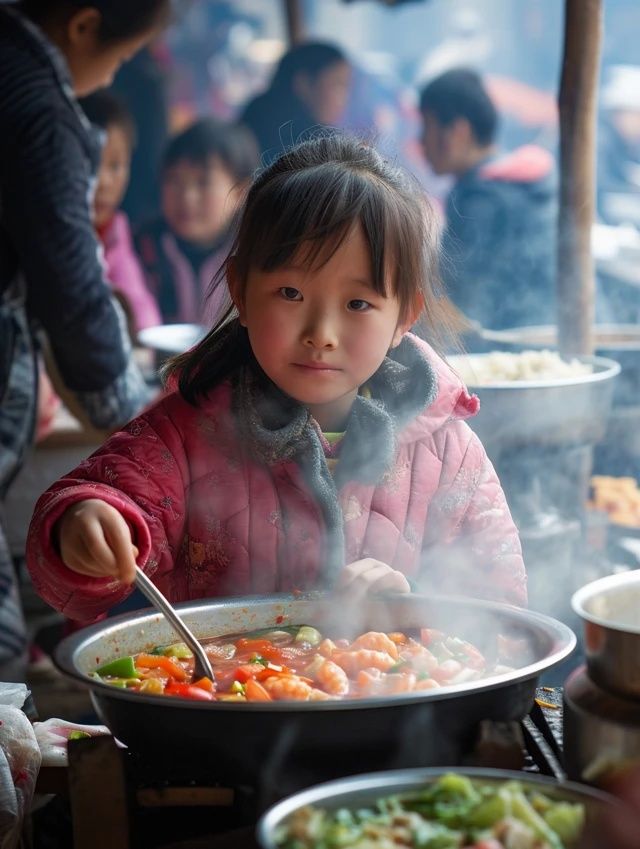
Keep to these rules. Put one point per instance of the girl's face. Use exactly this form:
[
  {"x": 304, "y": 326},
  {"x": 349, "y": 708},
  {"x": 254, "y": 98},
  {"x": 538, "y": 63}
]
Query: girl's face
[
  {"x": 325, "y": 96},
  {"x": 113, "y": 175},
  {"x": 198, "y": 201},
  {"x": 320, "y": 334}
]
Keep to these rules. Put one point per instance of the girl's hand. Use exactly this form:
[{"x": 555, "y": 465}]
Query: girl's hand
[
  {"x": 95, "y": 540},
  {"x": 362, "y": 577}
]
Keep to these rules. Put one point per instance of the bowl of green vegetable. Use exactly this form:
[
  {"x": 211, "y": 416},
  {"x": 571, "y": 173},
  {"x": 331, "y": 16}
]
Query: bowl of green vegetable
[{"x": 435, "y": 808}]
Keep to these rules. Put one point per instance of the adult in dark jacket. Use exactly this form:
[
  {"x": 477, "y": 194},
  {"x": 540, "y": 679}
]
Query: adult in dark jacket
[
  {"x": 498, "y": 251},
  {"x": 51, "y": 277},
  {"x": 309, "y": 91}
]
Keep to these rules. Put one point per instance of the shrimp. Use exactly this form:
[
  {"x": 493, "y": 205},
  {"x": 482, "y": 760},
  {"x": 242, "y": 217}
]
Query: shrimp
[
  {"x": 326, "y": 647},
  {"x": 426, "y": 684},
  {"x": 319, "y": 695},
  {"x": 353, "y": 661},
  {"x": 420, "y": 658},
  {"x": 332, "y": 678},
  {"x": 287, "y": 687},
  {"x": 377, "y": 641}
]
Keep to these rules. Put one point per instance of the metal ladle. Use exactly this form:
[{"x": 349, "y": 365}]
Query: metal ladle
[{"x": 202, "y": 666}]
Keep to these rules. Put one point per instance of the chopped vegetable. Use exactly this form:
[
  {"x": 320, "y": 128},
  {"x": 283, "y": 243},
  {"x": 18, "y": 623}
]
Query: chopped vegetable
[
  {"x": 122, "y": 667},
  {"x": 167, "y": 664},
  {"x": 453, "y": 812},
  {"x": 310, "y": 635},
  {"x": 179, "y": 650},
  {"x": 77, "y": 735}
]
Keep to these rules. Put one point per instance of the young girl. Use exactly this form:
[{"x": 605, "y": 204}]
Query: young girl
[
  {"x": 311, "y": 440},
  {"x": 124, "y": 273},
  {"x": 205, "y": 169}
]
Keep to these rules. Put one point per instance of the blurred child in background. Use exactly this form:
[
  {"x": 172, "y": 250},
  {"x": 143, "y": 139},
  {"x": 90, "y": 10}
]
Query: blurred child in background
[
  {"x": 124, "y": 273},
  {"x": 204, "y": 172}
]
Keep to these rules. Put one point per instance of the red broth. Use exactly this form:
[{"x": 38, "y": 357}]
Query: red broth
[{"x": 300, "y": 663}]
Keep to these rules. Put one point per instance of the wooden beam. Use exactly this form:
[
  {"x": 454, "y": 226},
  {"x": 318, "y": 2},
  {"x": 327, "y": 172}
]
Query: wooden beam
[
  {"x": 295, "y": 21},
  {"x": 578, "y": 104}
]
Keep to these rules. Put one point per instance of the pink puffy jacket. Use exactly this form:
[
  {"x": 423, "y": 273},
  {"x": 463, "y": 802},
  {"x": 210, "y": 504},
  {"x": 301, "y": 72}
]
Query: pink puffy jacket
[
  {"x": 210, "y": 519},
  {"x": 124, "y": 273}
]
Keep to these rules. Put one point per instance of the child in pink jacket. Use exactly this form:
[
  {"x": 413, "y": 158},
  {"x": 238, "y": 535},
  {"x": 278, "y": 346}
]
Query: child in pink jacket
[
  {"x": 310, "y": 440},
  {"x": 123, "y": 269}
]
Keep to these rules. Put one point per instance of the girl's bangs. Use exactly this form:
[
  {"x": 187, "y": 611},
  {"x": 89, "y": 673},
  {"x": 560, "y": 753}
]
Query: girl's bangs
[{"x": 303, "y": 220}]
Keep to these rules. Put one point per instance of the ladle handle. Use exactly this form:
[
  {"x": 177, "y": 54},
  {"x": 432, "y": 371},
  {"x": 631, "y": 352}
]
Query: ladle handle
[{"x": 149, "y": 589}]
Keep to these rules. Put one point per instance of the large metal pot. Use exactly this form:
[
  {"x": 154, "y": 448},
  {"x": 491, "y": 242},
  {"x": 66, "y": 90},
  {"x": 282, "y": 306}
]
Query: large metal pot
[
  {"x": 610, "y": 609},
  {"x": 619, "y": 342},
  {"x": 362, "y": 791},
  {"x": 601, "y": 731},
  {"x": 250, "y": 743},
  {"x": 544, "y": 413}
]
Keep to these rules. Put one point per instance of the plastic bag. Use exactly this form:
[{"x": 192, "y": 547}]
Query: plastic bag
[{"x": 20, "y": 760}]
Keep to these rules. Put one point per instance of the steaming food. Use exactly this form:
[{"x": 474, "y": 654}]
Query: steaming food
[
  {"x": 501, "y": 366},
  {"x": 299, "y": 663},
  {"x": 619, "y": 497},
  {"x": 453, "y": 812}
]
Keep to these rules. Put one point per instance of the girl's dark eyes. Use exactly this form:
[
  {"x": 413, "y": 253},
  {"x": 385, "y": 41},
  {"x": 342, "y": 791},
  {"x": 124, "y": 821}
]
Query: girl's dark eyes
[
  {"x": 358, "y": 305},
  {"x": 290, "y": 294}
]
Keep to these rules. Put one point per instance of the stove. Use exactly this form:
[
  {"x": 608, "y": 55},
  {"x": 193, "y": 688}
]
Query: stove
[{"x": 110, "y": 798}]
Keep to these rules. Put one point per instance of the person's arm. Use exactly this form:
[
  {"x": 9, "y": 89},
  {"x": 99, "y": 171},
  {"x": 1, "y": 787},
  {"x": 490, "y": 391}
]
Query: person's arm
[
  {"x": 471, "y": 545},
  {"x": 141, "y": 473},
  {"x": 45, "y": 197}
]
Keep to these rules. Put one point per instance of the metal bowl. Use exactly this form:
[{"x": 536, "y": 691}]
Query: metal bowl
[
  {"x": 169, "y": 339},
  {"x": 619, "y": 342},
  {"x": 303, "y": 742},
  {"x": 545, "y": 413},
  {"x": 362, "y": 791},
  {"x": 610, "y": 609}
]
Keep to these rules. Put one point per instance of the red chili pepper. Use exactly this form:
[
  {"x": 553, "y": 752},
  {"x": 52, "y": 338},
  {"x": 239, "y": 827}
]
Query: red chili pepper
[
  {"x": 246, "y": 671},
  {"x": 188, "y": 691}
]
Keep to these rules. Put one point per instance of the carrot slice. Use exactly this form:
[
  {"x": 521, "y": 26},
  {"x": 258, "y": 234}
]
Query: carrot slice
[
  {"x": 167, "y": 664},
  {"x": 255, "y": 692}
]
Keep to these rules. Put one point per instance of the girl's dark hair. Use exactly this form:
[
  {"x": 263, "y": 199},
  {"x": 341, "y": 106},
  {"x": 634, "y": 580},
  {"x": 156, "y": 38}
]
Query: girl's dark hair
[
  {"x": 121, "y": 19},
  {"x": 303, "y": 206},
  {"x": 107, "y": 110},
  {"x": 310, "y": 58},
  {"x": 233, "y": 144}
]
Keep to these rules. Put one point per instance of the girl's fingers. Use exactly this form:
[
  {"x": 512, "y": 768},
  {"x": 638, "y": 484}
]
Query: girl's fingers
[
  {"x": 118, "y": 538},
  {"x": 393, "y": 582},
  {"x": 354, "y": 571}
]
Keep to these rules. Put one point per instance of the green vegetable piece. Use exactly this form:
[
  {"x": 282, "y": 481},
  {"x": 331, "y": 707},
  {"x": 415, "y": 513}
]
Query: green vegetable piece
[
  {"x": 566, "y": 819},
  {"x": 433, "y": 835},
  {"x": 308, "y": 634},
  {"x": 488, "y": 812},
  {"x": 181, "y": 651},
  {"x": 237, "y": 687},
  {"x": 77, "y": 735},
  {"x": 122, "y": 667},
  {"x": 521, "y": 809},
  {"x": 455, "y": 785}
]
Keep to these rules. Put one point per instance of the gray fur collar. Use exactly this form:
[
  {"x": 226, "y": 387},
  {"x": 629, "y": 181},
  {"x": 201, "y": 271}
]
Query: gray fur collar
[{"x": 275, "y": 428}]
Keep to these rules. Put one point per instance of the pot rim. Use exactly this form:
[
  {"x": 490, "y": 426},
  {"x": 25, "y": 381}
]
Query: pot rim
[
  {"x": 394, "y": 781},
  {"x": 521, "y": 336},
  {"x": 561, "y": 638},
  {"x": 606, "y": 370},
  {"x": 590, "y": 591}
]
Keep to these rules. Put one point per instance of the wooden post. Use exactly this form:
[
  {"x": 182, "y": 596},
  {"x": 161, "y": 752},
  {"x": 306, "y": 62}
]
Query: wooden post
[
  {"x": 295, "y": 22},
  {"x": 578, "y": 103}
]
